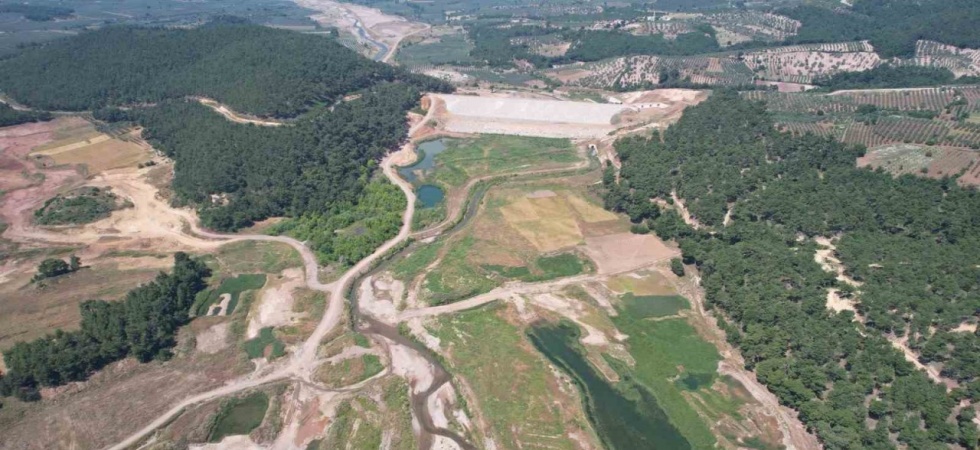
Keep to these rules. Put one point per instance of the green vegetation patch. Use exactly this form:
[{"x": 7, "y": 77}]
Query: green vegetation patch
[
  {"x": 626, "y": 416},
  {"x": 232, "y": 286},
  {"x": 666, "y": 350},
  {"x": 355, "y": 230},
  {"x": 353, "y": 427},
  {"x": 265, "y": 343},
  {"x": 647, "y": 306},
  {"x": 257, "y": 256},
  {"x": 421, "y": 257},
  {"x": 349, "y": 371},
  {"x": 391, "y": 418},
  {"x": 456, "y": 278},
  {"x": 449, "y": 49},
  {"x": 492, "y": 154},
  {"x": 83, "y": 205},
  {"x": 512, "y": 381},
  {"x": 559, "y": 266},
  {"x": 239, "y": 416}
]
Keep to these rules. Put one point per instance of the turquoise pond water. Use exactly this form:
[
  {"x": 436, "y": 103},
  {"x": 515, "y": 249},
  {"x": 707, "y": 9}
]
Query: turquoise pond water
[{"x": 429, "y": 195}]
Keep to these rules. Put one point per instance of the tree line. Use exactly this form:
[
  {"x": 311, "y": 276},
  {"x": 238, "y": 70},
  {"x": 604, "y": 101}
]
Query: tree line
[
  {"x": 143, "y": 325},
  {"x": 10, "y": 116},
  {"x": 910, "y": 241},
  {"x": 888, "y": 76},
  {"x": 253, "y": 69},
  {"x": 37, "y": 13}
]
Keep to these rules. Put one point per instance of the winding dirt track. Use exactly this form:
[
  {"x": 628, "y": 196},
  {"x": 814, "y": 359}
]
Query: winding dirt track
[{"x": 303, "y": 362}]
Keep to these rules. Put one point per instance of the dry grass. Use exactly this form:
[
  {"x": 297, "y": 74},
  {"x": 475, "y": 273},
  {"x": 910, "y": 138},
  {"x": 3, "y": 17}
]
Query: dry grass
[
  {"x": 82, "y": 145},
  {"x": 641, "y": 283},
  {"x": 620, "y": 252},
  {"x": 28, "y": 312},
  {"x": 549, "y": 223},
  {"x": 589, "y": 212},
  {"x": 77, "y": 416}
]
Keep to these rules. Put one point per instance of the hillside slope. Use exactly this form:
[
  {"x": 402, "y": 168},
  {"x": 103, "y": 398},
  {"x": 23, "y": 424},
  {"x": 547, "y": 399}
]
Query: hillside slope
[{"x": 253, "y": 69}]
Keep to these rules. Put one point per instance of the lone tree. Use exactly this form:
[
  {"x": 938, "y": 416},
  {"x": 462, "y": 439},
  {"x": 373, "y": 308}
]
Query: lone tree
[
  {"x": 53, "y": 267},
  {"x": 677, "y": 267},
  {"x": 50, "y": 268}
]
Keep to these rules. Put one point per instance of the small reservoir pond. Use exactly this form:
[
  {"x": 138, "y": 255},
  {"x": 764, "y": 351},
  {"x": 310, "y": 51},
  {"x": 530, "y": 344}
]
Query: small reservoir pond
[
  {"x": 625, "y": 416},
  {"x": 429, "y": 194}
]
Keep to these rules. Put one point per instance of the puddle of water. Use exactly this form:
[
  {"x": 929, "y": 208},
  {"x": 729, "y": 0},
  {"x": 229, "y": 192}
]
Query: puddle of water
[
  {"x": 428, "y": 151},
  {"x": 626, "y": 416},
  {"x": 430, "y": 195}
]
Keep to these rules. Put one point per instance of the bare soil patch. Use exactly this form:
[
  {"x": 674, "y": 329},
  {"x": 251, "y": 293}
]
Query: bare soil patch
[
  {"x": 275, "y": 306},
  {"x": 528, "y": 117},
  {"x": 621, "y": 252}
]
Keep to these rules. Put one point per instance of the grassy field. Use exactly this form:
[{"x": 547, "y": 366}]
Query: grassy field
[
  {"x": 231, "y": 286},
  {"x": 29, "y": 312},
  {"x": 492, "y": 154},
  {"x": 408, "y": 267},
  {"x": 266, "y": 344},
  {"x": 455, "y": 278},
  {"x": 255, "y": 256},
  {"x": 239, "y": 416},
  {"x": 349, "y": 371},
  {"x": 449, "y": 49},
  {"x": 516, "y": 391},
  {"x": 647, "y": 306}
]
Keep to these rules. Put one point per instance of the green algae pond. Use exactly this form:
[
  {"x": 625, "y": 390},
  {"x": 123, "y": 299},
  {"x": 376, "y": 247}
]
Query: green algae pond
[{"x": 625, "y": 416}]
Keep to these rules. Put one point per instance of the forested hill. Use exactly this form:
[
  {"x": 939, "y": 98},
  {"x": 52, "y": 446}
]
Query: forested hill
[
  {"x": 909, "y": 243},
  {"x": 253, "y": 69},
  {"x": 892, "y": 26}
]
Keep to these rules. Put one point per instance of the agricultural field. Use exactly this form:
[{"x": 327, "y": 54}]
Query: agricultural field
[
  {"x": 929, "y": 116},
  {"x": 805, "y": 63},
  {"x": 960, "y": 61},
  {"x": 530, "y": 233},
  {"x": 742, "y": 26},
  {"x": 76, "y": 143},
  {"x": 929, "y": 161},
  {"x": 444, "y": 49},
  {"x": 644, "y": 71}
]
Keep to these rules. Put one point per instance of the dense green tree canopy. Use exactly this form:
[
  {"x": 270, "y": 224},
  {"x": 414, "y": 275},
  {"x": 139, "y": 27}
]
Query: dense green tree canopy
[
  {"x": 254, "y": 69},
  {"x": 911, "y": 242},
  {"x": 10, "y": 116},
  {"x": 893, "y": 26}
]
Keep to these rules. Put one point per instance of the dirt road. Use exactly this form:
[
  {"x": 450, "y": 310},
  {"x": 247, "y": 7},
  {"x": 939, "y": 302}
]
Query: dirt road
[
  {"x": 234, "y": 116},
  {"x": 303, "y": 363}
]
